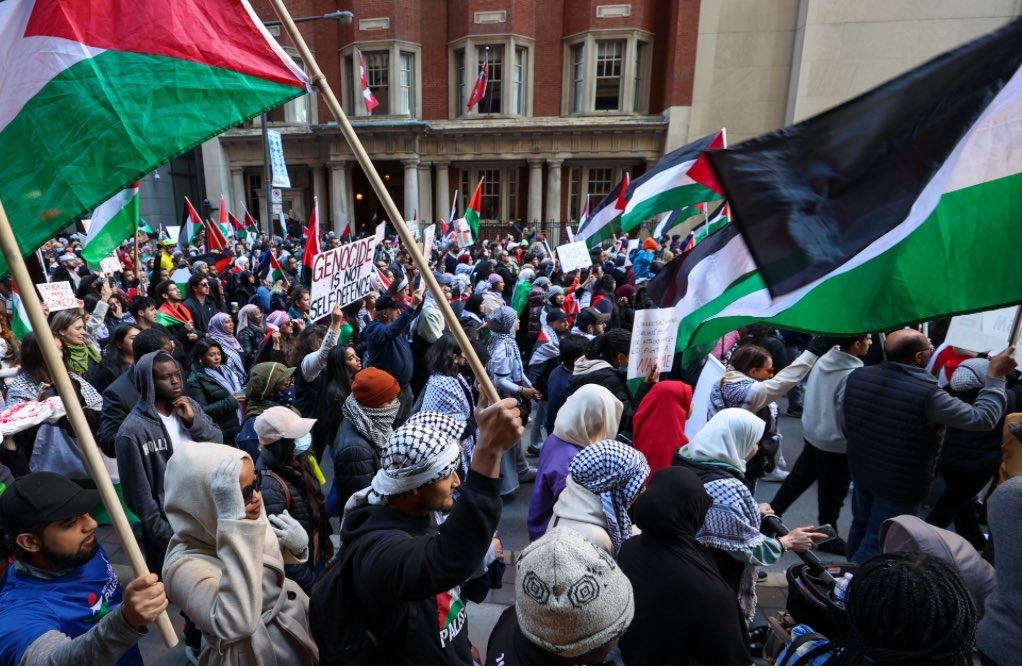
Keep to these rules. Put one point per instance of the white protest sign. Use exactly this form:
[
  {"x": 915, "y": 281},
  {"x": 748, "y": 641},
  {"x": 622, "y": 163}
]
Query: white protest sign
[
  {"x": 381, "y": 231},
  {"x": 427, "y": 241},
  {"x": 574, "y": 256},
  {"x": 463, "y": 232},
  {"x": 341, "y": 275},
  {"x": 712, "y": 372},
  {"x": 110, "y": 265},
  {"x": 983, "y": 332},
  {"x": 571, "y": 235},
  {"x": 277, "y": 163},
  {"x": 654, "y": 333},
  {"x": 58, "y": 296},
  {"x": 632, "y": 245}
]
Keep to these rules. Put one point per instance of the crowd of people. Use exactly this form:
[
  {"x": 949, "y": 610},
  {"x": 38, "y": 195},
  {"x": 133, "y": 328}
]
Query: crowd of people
[{"x": 329, "y": 491}]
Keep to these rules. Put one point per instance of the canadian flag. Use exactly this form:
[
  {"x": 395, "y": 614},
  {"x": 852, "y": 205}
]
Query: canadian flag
[{"x": 367, "y": 95}]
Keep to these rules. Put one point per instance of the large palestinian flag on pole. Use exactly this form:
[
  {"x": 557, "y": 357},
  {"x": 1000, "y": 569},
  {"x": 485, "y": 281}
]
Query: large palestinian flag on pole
[
  {"x": 949, "y": 240},
  {"x": 94, "y": 94}
]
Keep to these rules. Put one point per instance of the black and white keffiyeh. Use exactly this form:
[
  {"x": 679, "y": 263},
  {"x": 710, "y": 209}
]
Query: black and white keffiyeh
[
  {"x": 616, "y": 473},
  {"x": 421, "y": 452},
  {"x": 375, "y": 424},
  {"x": 732, "y": 522},
  {"x": 503, "y": 349}
]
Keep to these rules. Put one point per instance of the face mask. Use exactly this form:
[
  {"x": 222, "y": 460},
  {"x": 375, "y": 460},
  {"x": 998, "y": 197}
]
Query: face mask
[
  {"x": 284, "y": 397},
  {"x": 303, "y": 444}
]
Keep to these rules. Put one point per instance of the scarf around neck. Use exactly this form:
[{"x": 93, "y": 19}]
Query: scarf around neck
[
  {"x": 374, "y": 424},
  {"x": 79, "y": 355}
]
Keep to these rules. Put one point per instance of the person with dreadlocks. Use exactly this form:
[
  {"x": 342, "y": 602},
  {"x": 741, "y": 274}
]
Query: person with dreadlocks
[
  {"x": 904, "y": 608},
  {"x": 508, "y": 375},
  {"x": 407, "y": 571}
]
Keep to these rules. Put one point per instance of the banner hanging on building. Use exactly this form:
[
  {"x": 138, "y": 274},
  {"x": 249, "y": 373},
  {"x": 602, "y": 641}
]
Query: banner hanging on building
[{"x": 277, "y": 163}]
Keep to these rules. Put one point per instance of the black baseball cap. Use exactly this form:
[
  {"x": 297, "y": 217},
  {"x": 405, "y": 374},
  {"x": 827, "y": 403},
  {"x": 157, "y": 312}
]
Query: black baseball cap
[
  {"x": 556, "y": 315},
  {"x": 590, "y": 316},
  {"x": 387, "y": 301},
  {"x": 41, "y": 498}
]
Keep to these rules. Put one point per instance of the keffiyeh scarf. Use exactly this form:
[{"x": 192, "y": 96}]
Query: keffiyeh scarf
[
  {"x": 375, "y": 424},
  {"x": 502, "y": 344},
  {"x": 616, "y": 473}
]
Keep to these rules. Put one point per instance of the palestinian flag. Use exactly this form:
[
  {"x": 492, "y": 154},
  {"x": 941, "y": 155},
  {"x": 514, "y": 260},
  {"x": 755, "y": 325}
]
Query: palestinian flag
[
  {"x": 311, "y": 236},
  {"x": 676, "y": 182},
  {"x": 276, "y": 271},
  {"x": 974, "y": 198},
  {"x": 169, "y": 319},
  {"x": 237, "y": 227},
  {"x": 181, "y": 276},
  {"x": 475, "y": 206},
  {"x": 191, "y": 228},
  {"x": 215, "y": 240},
  {"x": 95, "y": 94},
  {"x": 251, "y": 226},
  {"x": 113, "y": 221},
  {"x": 19, "y": 317},
  {"x": 605, "y": 220},
  {"x": 714, "y": 221},
  {"x": 144, "y": 227}
]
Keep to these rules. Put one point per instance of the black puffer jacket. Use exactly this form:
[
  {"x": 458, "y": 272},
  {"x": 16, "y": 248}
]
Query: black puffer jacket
[
  {"x": 356, "y": 461},
  {"x": 275, "y": 501},
  {"x": 250, "y": 338},
  {"x": 216, "y": 402}
]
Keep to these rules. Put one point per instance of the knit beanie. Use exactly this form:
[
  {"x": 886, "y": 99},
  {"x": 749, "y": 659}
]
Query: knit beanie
[
  {"x": 554, "y": 291},
  {"x": 374, "y": 388},
  {"x": 495, "y": 278},
  {"x": 571, "y": 596},
  {"x": 650, "y": 244},
  {"x": 970, "y": 374}
]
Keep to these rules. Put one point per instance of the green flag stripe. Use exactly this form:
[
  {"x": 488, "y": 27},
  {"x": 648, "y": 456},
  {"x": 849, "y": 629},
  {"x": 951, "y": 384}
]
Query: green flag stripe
[
  {"x": 669, "y": 200},
  {"x": 131, "y": 113},
  {"x": 112, "y": 233}
]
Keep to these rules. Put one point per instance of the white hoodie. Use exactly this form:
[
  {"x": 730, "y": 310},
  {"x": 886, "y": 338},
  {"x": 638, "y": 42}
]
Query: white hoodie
[{"x": 825, "y": 392}]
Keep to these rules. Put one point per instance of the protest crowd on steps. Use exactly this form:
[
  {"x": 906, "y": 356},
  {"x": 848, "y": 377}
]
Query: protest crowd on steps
[{"x": 328, "y": 490}]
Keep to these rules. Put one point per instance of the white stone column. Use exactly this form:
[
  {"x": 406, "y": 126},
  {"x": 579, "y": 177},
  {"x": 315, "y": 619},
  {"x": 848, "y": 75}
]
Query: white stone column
[
  {"x": 553, "y": 190},
  {"x": 535, "y": 208},
  {"x": 411, "y": 179},
  {"x": 319, "y": 191},
  {"x": 443, "y": 191},
  {"x": 238, "y": 199},
  {"x": 341, "y": 204},
  {"x": 425, "y": 207}
]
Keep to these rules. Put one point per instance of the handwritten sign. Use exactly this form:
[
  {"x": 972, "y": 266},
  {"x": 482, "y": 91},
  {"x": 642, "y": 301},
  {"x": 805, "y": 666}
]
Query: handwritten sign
[
  {"x": 983, "y": 332},
  {"x": 427, "y": 241},
  {"x": 58, "y": 296},
  {"x": 341, "y": 275},
  {"x": 110, "y": 265},
  {"x": 654, "y": 334},
  {"x": 574, "y": 256}
]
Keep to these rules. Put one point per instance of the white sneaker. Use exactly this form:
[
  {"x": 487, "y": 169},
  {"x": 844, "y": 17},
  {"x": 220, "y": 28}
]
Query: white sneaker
[{"x": 777, "y": 475}]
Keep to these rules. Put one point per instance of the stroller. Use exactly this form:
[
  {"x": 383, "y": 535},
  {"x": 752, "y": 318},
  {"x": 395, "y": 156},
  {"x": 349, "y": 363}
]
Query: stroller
[{"x": 811, "y": 598}]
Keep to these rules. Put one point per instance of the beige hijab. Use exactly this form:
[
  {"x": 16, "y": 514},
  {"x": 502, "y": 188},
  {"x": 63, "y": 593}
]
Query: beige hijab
[{"x": 590, "y": 415}]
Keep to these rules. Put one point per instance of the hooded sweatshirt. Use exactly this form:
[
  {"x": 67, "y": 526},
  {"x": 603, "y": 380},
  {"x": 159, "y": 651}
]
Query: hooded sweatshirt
[
  {"x": 589, "y": 371},
  {"x": 143, "y": 448},
  {"x": 825, "y": 391},
  {"x": 999, "y": 635},
  {"x": 228, "y": 574}
]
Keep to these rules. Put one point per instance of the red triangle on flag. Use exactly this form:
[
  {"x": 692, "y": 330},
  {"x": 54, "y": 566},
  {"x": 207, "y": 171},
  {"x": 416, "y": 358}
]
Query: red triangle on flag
[
  {"x": 214, "y": 238},
  {"x": 312, "y": 236}
]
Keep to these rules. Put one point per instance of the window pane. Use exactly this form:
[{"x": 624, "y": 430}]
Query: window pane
[
  {"x": 378, "y": 76},
  {"x": 512, "y": 194},
  {"x": 576, "y": 198},
  {"x": 609, "y": 61},
  {"x": 600, "y": 182},
  {"x": 518, "y": 85},
  {"x": 460, "y": 90},
  {"x": 578, "y": 73},
  {"x": 638, "y": 104},
  {"x": 357, "y": 106},
  {"x": 491, "y": 194},
  {"x": 406, "y": 98},
  {"x": 491, "y": 102}
]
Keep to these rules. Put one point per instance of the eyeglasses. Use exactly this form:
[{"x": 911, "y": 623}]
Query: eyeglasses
[
  {"x": 249, "y": 491},
  {"x": 203, "y": 285}
]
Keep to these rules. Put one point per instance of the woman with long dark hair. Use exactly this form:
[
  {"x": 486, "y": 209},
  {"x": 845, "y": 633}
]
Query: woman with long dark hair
[
  {"x": 250, "y": 331},
  {"x": 215, "y": 387},
  {"x": 117, "y": 357},
  {"x": 448, "y": 392},
  {"x": 342, "y": 364}
]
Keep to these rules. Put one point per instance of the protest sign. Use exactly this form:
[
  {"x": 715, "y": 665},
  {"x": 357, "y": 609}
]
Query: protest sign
[
  {"x": 654, "y": 334},
  {"x": 983, "y": 332},
  {"x": 463, "y": 233},
  {"x": 574, "y": 256},
  {"x": 427, "y": 241},
  {"x": 712, "y": 372},
  {"x": 341, "y": 275},
  {"x": 632, "y": 245},
  {"x": 110, "y": 265},
  {"x": 381, "y": 231},
  {"x": 58, "y": 296},
  {"x": 571, "y": 235}
]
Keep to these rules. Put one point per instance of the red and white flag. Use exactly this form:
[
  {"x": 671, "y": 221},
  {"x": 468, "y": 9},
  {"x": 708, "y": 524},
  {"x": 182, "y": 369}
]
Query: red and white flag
[
  {"x": 312, "y": 236},
  {"x": 479, "y": 90},
  {"x": 367, "y": 95},
  {"x": 223, "y": 212}
]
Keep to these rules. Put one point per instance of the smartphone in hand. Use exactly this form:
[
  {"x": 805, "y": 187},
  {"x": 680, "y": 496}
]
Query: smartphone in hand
[{"x": 825, "y": 529}]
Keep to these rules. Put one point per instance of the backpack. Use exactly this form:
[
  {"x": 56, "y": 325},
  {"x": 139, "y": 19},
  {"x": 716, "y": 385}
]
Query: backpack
[{"x": 339, "y": 622}]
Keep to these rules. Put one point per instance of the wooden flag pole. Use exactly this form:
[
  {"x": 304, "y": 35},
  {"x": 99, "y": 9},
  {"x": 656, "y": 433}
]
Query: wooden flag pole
[
  {"x": 75, "y": 414},
  {"x": 396, "y": 219}
]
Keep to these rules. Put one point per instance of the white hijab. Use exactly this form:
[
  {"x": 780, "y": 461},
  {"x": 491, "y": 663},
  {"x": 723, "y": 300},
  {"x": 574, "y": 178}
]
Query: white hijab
[
  {"x": 590, "y": 415},
  {"x": 727, "y": 438}
]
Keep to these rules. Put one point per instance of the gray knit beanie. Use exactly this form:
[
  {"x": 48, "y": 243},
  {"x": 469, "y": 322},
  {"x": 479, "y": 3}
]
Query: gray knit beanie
[{"x": 571, "y": 598}]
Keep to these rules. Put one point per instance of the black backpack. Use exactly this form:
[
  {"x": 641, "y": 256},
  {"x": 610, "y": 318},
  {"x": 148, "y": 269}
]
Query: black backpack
[{"x": 340, "y": 624}]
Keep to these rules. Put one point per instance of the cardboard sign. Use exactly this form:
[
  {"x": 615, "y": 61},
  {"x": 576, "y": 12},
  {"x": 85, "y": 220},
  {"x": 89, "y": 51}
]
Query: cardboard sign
[
  {"x": 654, "y": 334},
  {"x": 427, "y": 241},
  {"x": 110, "y": 265},
  {"x": 58, "y": 296},
  {"x": 712, "y": 372},
  {"x": 341, "y": 275},
  {"x": 574, "y": 256},
  {"x": 983, "y": 332}
]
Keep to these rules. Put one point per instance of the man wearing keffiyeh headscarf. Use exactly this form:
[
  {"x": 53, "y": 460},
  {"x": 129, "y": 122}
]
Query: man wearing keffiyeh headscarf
[{"x": 402, "y": 559}]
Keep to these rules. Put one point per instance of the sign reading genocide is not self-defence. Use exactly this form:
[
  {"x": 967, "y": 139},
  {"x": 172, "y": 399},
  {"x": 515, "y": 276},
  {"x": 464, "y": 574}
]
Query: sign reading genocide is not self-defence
[{"x": 341, "y": 275}]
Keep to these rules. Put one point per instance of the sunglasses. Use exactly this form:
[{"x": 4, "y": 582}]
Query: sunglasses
[{"x": 249, "y": 491}]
